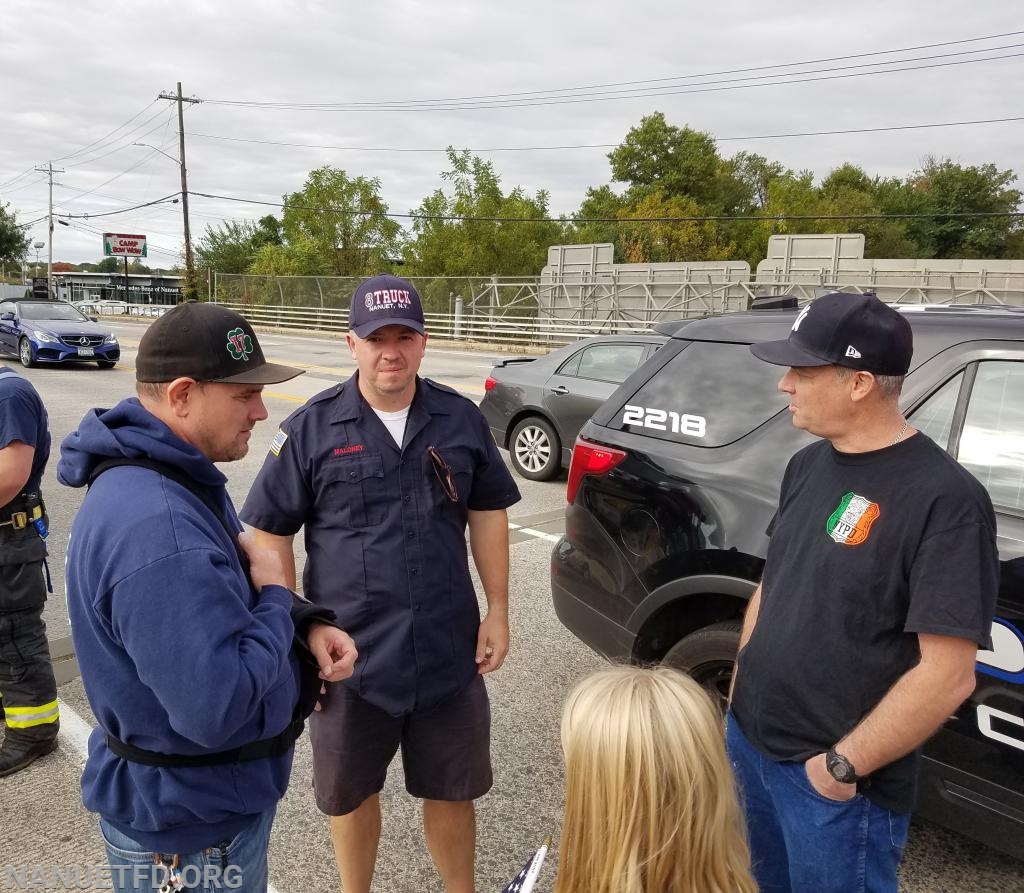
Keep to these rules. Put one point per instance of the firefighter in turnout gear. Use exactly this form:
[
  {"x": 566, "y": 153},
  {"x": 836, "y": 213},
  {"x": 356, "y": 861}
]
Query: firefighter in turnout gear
[{"x": 26, "y": 674}]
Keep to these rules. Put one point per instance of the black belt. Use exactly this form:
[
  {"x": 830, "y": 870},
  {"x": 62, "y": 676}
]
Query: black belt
[
  {"x": 258, "y": 750},
  {"x": 22, "y": 510},
  {"x": 21, "y": 520}
]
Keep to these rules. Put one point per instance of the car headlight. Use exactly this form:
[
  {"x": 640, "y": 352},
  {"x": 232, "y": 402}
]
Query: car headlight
[
  {"x": 110, "y": 339},
  {"x": 45, "y": 337}
]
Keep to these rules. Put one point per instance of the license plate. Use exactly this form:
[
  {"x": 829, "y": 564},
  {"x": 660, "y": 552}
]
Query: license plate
[{"x": 86, "y": 352}]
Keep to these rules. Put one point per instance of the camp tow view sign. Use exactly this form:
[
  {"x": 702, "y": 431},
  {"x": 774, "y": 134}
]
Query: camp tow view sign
[{"x": 123, "y": 245}]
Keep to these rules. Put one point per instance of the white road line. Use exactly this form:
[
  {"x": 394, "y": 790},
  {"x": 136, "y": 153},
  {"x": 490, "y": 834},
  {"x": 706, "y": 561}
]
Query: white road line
[
  {"x": 539, "y": 534},
  {"x": 74, "y": 738},
  {"x": 74, "y": 732}
]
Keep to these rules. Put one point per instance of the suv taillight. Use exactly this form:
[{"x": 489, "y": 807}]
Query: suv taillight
[
  {"x": 489, "y": 383},
  {"x": 589, "y": 458}
]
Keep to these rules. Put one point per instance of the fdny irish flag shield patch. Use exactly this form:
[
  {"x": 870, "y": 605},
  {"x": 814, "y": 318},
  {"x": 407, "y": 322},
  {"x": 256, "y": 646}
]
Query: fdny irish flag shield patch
[{"x": 850, "y": 523}]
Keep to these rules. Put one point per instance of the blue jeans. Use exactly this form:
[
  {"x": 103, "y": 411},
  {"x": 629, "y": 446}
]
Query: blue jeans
[
  {"x": 237, "y": 865},
  {"x": 802, "y": 842}
]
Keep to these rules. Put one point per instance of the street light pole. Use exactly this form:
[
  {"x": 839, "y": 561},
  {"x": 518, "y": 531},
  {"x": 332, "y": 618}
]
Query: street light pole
[
  {"x": 189, "y": 289},
  {"x": 49, "y": 257}
]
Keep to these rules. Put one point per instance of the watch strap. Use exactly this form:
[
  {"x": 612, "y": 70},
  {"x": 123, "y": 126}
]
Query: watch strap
[{"x": 840, "y": 768}]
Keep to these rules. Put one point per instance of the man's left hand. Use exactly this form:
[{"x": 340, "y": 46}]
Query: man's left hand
[
  {"x": 820, "y": 779},
  {"x": 492, "y": 643},
  {"x": 333, "y": 650}
]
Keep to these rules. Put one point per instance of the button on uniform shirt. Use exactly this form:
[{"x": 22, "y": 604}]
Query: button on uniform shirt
[{"x": 385, "y": 546}]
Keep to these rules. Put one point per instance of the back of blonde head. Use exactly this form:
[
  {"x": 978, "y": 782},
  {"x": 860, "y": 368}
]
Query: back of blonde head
[{"x": 650, "y": 802}]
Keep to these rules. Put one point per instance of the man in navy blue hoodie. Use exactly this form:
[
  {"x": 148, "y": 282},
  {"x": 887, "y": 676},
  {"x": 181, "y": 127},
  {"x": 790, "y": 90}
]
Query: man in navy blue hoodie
[{"x": 183, "y": 629}]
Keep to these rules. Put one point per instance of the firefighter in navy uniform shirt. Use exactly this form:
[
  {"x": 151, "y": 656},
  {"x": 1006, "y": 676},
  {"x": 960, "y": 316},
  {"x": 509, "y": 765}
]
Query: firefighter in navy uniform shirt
[
  {"x": 385, "y": 471},
  {"x": 26, "y": 674}
]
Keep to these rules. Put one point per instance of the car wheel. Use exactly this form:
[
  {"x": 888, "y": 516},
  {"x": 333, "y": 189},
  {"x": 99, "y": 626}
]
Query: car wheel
[
  {"x": 708, "y": 656},
  {"x": 106, "y": 364},
  {"x": 535, "y": 449},
  {"x": 25, "y": 353}
]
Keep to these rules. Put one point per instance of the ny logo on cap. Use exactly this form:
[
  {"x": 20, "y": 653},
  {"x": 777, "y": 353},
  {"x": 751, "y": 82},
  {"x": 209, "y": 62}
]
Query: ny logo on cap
[
  {"x": 239, "y": 344},
  {"x": 800, "y": 317}
]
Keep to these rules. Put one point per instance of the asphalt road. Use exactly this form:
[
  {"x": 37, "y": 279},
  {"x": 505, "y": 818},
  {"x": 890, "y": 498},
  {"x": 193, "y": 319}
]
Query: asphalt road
[{"x": 45, "y": 825}]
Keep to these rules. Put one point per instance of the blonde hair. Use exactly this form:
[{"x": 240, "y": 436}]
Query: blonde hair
[{"x": 650, "y": 801}]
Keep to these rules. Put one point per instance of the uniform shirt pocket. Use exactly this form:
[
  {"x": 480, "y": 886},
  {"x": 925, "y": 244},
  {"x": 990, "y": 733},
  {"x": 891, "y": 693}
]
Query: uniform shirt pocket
[
  {"x": 354, "y": 491},
  {"x": 460, "y": 467}
]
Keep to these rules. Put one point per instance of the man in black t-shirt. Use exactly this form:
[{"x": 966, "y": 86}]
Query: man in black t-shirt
[{"x": 879, "y": 586}]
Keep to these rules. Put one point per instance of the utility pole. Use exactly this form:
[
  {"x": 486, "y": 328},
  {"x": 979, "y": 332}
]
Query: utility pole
[
  {"x": 49, "y": 254},
  {"x": 190, "y": 289}
]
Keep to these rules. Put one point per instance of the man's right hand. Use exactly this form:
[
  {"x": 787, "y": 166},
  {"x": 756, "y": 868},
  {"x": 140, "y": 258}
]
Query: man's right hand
[{"x": 265, "y": 567}]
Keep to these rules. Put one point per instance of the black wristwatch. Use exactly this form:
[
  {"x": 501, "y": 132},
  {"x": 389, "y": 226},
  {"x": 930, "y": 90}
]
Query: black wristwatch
[{"x": 840, "y": 768}]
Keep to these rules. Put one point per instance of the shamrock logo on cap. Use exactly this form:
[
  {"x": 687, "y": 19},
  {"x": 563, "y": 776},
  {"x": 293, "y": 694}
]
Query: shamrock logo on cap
[{"x": 239, "y": 344}]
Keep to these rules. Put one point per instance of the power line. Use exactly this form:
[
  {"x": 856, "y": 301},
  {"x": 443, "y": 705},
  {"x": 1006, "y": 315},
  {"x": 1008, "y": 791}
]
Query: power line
[
  {"x": 927, "y": 46},
  {"x": 167, "y": 113},
  {"x": 33, "y": 222},
  {"x": 549, "y": 97},
  {"x": 709, "y": 218},
  {"x": 131, "y": 134},
  {"x": 173, "y": 197},
  {"x": 720, "y": 139},
  {"x": 15, "y": 179},
  {"x": 28, "y": 185},
  {"x": 39, "y": 180},
  {"x": 680, "y": 92},
  {"x": 80, "y": 194},
  {"x": 88, "y": 146}
]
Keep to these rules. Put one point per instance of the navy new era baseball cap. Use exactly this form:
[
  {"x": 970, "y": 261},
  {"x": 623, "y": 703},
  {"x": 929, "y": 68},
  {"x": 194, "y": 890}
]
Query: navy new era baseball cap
[
  {"x": 840, "y": 329},
  {"x": 384, "y": 301}
]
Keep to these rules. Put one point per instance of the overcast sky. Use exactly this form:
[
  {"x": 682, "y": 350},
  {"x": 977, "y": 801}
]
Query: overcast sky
[{"x": 75, "y": 74}]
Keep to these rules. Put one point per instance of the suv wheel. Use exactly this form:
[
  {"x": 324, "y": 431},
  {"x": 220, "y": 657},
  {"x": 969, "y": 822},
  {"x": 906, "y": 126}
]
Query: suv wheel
[
  {"x": 708, "y": 656},
  {"x": 25, "y": 353},
  {"x": 535, "y": 449}
]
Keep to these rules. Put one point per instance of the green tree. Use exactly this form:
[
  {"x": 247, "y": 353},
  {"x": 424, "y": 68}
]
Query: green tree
[
  {"x": 492, "y": 233},
  {"x": 301, "y": 258},
  {"x": 849, "y": 190},
  {"x": 752, "y": 176},
  {"x": 110, "y": 265},
  {"x": 678, "y": 161},
  {"x": 229, "y": 247},
  {"x": 268, "y": 231},
  {"x": 14, "y": 239},
  {"x": 654, "y": 241},
  {"x": 344, "y": 218},
  {"x": 683, "y": 161},
  {"x": 755, "y": 174},
  {"x": 941, "y": 189},
  {"x": 601, "y": 203}
]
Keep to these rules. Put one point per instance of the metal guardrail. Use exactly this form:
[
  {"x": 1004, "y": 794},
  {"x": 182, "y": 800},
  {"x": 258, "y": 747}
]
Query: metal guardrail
[{"x": 507, "y": 329}]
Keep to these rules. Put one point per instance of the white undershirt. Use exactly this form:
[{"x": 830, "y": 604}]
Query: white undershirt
[{"x": 394, "y": 422}]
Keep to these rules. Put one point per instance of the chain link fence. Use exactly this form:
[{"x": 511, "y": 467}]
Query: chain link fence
[
  {"x": 547, "y": 312},
  {"x": 439, "y": 294}
]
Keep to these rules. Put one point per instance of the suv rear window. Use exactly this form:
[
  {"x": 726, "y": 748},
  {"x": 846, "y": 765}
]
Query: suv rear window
[{"x": 708, "y": 394}]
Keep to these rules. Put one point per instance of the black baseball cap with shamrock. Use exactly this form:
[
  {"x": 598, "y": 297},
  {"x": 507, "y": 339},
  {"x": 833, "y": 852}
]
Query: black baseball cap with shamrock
[{"x": 206, "y": 342}]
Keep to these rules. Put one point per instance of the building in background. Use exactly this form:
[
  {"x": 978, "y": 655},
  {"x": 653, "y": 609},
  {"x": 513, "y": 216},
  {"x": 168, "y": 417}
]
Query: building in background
[{"x": 142, "y": 288}]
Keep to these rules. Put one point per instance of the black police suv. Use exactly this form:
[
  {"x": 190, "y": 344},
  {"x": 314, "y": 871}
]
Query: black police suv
[{"x": 676, "y": 477}]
